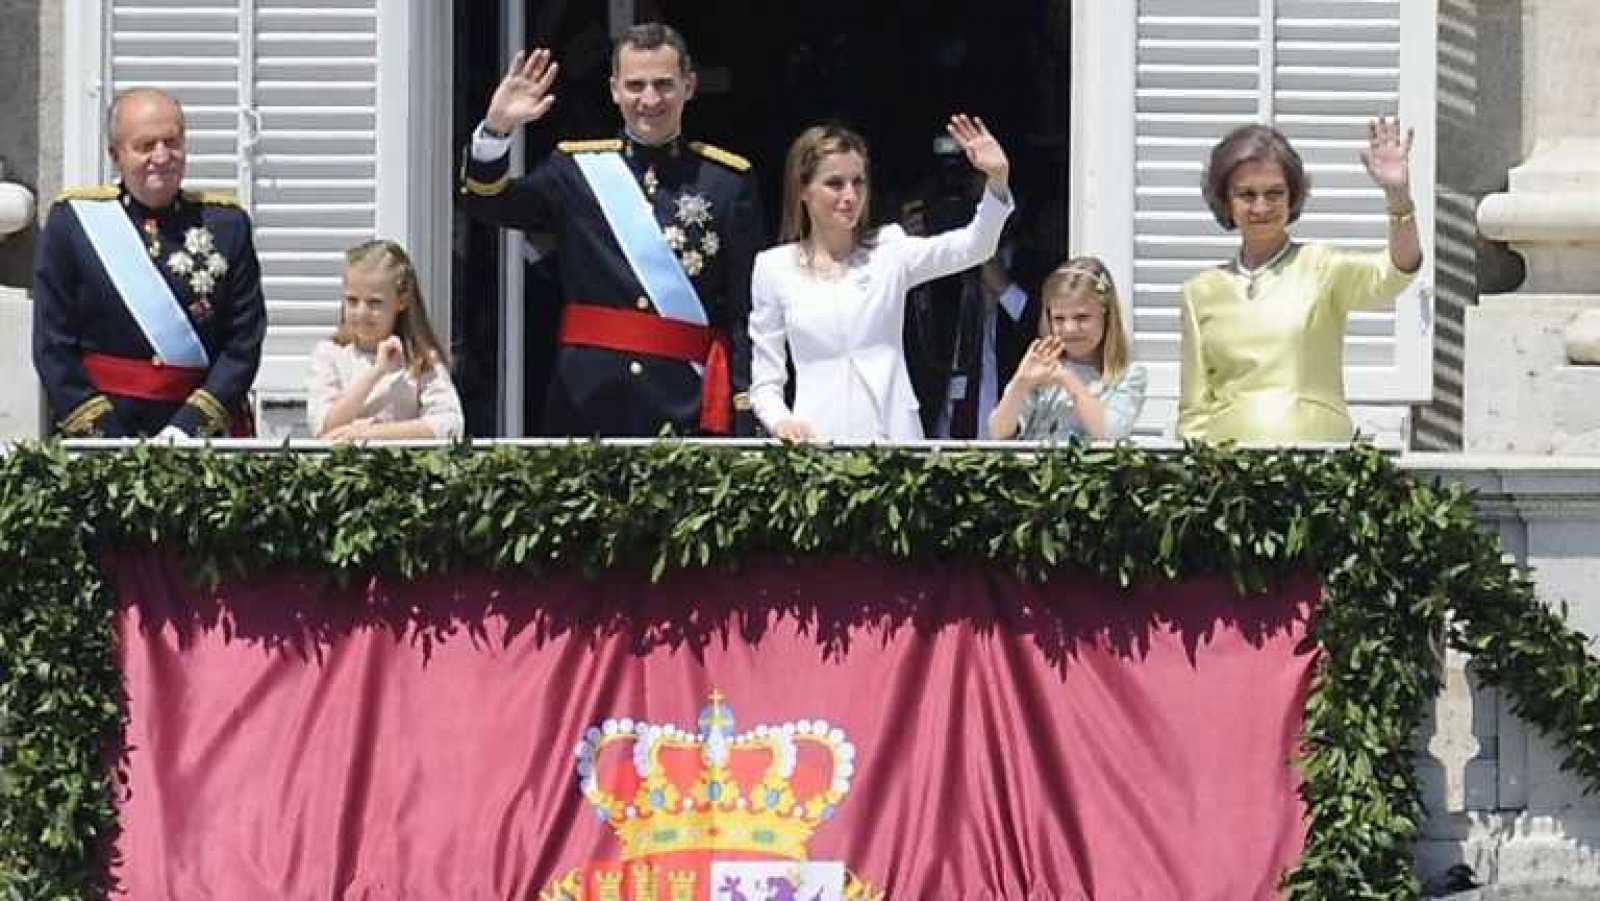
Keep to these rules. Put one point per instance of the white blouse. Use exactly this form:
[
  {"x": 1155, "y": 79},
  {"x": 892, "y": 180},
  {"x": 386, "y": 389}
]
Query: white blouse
[
  {"x": 396, "y": 397},
  {"x": 845, "y": 333}
]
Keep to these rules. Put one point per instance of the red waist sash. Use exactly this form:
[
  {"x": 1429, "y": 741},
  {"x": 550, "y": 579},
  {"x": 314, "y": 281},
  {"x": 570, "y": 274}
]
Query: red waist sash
[
  {"x": 626, "y": 331},
  {"x": 144, "y": 379},
  {"x": 149, "y": 380}
]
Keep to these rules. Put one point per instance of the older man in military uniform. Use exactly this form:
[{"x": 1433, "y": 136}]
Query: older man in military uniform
[
  {"x": 148, "y": 315},
  {"x": 656, "y": 237}
]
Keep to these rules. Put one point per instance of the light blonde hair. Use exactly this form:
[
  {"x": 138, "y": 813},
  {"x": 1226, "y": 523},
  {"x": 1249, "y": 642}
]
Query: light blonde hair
[
  {"x": 1089, "y": 277},
  {"x": 423, "y": 349},
  {"x": 805, "y": 156}
]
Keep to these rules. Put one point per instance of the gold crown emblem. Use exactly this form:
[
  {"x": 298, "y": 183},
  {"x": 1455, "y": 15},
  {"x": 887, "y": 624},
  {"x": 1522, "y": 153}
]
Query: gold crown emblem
[{"x": 664, "y": 789}]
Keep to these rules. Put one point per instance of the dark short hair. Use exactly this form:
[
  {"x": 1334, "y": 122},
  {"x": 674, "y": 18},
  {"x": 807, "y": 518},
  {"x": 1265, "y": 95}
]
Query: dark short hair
[
  {"x": 649, "y": 36},
  {"x": 1252, "y": 144}
]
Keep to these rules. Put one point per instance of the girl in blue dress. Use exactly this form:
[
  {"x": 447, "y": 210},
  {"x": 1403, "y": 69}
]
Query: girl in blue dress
[{"x": 1076, "y": 380}]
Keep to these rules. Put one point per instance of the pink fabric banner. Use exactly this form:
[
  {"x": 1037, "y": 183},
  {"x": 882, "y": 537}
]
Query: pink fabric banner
[{"x": 930, "y": 732}]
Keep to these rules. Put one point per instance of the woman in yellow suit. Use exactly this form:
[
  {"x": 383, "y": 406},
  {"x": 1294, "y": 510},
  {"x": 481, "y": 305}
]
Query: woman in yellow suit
[{"x": 1263, "y": 335}]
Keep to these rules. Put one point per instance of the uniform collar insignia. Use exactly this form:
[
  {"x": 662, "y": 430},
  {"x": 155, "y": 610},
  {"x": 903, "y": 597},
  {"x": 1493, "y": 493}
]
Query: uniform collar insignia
[
  {"x": 139, "y": 210},
  {"x": 632, "y": 147}
]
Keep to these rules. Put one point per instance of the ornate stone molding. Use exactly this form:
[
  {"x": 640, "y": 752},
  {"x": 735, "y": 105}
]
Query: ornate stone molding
[
  {"x": 1549, "y": 216},
  {"x": 1518, "y": 486}
]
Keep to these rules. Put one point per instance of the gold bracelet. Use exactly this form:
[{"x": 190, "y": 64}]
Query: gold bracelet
[
  {"x": 1403, "y": 210},
  {"x": 1399, "y": 219}
]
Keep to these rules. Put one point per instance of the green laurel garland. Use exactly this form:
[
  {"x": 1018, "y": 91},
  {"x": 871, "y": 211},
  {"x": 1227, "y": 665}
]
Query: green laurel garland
[{"x": 1395, "y": 554}]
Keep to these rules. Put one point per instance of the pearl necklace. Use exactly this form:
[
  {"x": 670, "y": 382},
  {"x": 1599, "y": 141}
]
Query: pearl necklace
[{"x": 1251, "y": 275}]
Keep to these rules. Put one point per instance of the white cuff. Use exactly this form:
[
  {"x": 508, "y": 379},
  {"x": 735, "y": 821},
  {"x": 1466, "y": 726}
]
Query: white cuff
[{"x": 486, "y": 149}]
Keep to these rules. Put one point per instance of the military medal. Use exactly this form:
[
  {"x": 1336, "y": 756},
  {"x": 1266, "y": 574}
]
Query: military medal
[
  {"x": 692, "y": 261},
  {"x": 200, "y": 266},
  {"x": 152, "y": 237},
  {"x": 693, "y": 213},
  {"x": 694, "y": 210}
]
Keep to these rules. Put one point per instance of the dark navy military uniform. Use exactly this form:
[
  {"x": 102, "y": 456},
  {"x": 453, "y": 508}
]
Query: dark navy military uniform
[
  {"x": 82, "y": 328},
  {"x": 706, "y": 202}
]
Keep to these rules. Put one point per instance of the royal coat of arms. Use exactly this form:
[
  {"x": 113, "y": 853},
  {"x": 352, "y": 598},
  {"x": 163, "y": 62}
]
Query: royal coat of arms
[{"x": 714, "y": 814}]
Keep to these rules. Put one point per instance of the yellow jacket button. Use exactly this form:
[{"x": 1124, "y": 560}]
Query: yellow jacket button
[{"x": 642, "y": 303}]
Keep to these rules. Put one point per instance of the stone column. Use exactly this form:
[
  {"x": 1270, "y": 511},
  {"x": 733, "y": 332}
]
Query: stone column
[{"x": 1530, "y": 387}]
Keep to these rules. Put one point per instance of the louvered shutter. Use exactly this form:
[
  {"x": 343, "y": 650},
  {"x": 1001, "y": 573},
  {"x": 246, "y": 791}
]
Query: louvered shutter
[
  {"x": 315, "y": 160},
  {"x": 282, "y": 104},
  {"x": 1316, "y": 69},
  {"x": 191, "y": 50}
]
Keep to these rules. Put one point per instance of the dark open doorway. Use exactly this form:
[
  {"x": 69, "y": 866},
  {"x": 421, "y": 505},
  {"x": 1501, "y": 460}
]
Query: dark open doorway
[{"x": 892, "y": 70}]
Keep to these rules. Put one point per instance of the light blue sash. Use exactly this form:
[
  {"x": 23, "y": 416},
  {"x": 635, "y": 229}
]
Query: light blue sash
[
  {"x": 634, "y": 223},
  {"x": 147, "y": 295}
]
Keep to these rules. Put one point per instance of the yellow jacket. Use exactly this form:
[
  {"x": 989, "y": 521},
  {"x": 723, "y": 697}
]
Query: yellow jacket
[{"x": 1270, "y": 368}]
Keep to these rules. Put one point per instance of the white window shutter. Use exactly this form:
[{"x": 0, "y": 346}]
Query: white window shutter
[
  {"x": 191, "y": 50},
  {"x": 1173, "y": 77},
  {"x": 314, "y": 158},
  {"x": 282, "y": 104}
]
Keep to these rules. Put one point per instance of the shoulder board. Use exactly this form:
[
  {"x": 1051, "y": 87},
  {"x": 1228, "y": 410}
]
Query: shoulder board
[
  {"x": 716, "y": 154},
  {"x": 599, "y": 145},
  {"x": 215, "y": 198},
  {"x": 89, "y": 192}
]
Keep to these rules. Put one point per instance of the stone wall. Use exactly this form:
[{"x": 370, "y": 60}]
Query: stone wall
[
  {"x": 1497, "y": 798},
  {"x": 30, "y": 147},
  {"x": 1522, "y": 394},
  {"x": 30, "y": 92},
  {"x": 21, "y": 403}
]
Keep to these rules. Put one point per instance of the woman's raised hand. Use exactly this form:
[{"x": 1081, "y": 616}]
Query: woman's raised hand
[
  {"x": 982, "y": 150},
  {"x": 524, "y": 93},
  {"x": 1386, "y": 156}
]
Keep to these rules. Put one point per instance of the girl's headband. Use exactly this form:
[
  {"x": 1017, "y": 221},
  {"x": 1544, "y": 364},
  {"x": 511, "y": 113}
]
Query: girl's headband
[{"x": 1102, "y": 284}]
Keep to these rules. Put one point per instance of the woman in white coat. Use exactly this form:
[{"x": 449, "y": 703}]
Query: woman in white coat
[{"x": 835, "y": 294}]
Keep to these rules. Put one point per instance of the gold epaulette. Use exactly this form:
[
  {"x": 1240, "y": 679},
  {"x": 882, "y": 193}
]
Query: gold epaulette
[
  {"x": 716, "y": 154},
  {"x": 215, "y": 198},
  {"x": 598, "y": 145},
  {"x": 89, "y": 192}
]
